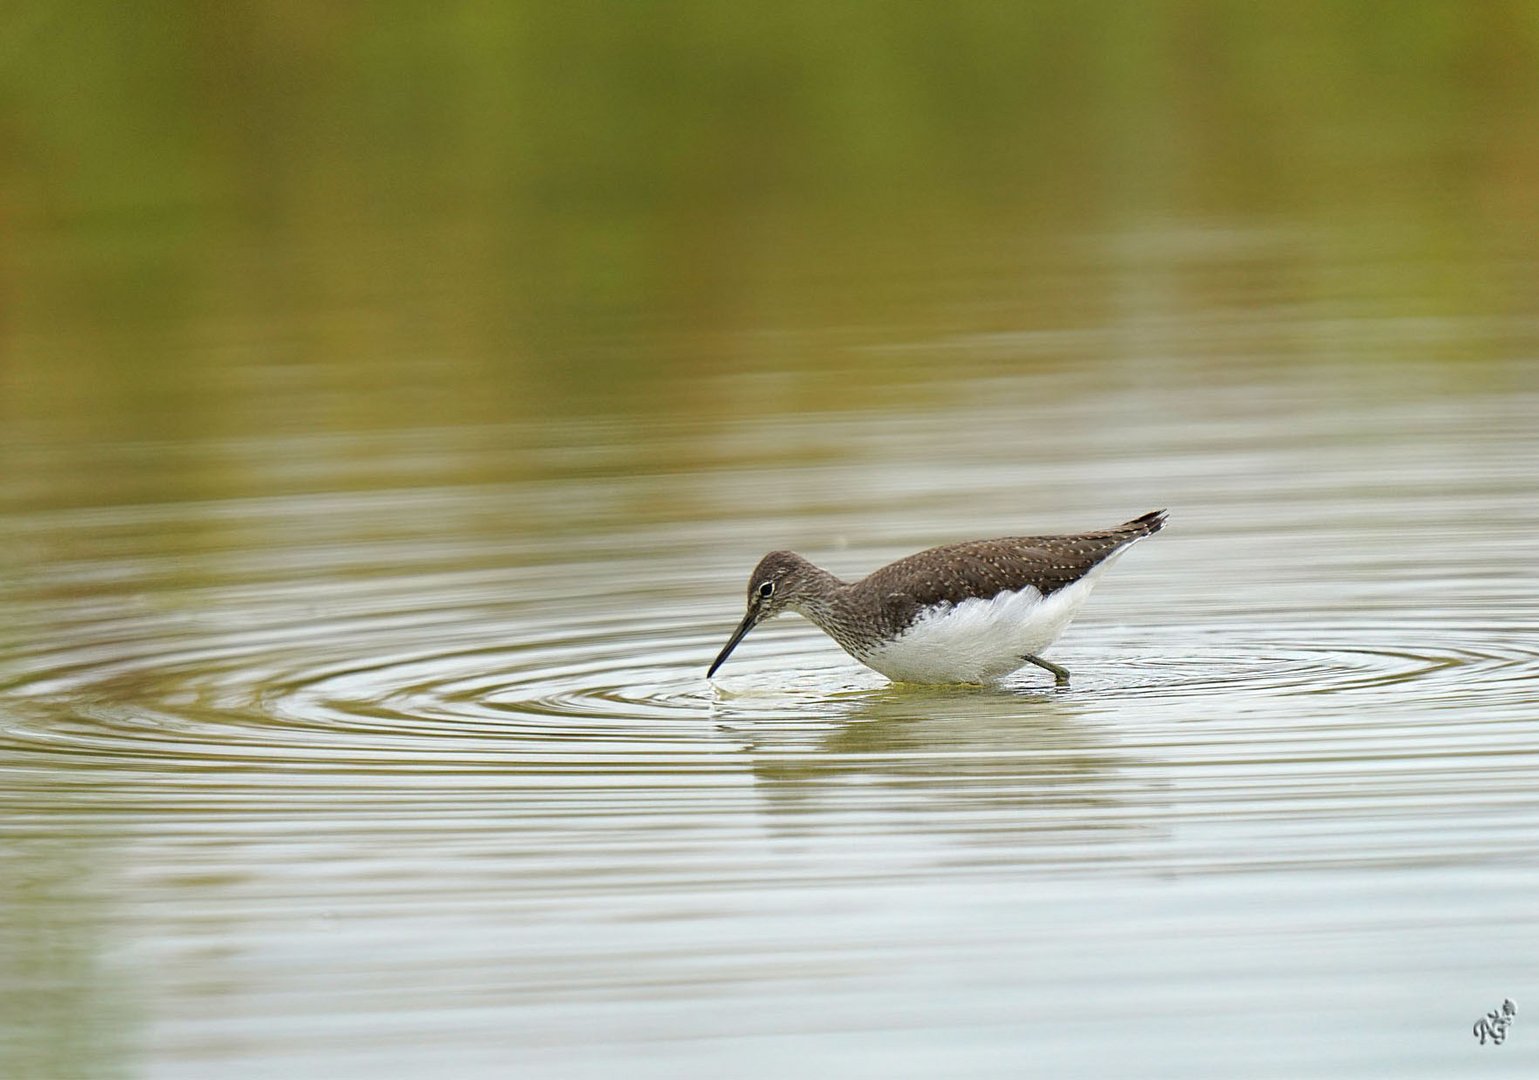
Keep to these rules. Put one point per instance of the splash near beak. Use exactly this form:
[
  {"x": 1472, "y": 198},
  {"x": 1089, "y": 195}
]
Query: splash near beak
[{"x": 749, "y": 622}]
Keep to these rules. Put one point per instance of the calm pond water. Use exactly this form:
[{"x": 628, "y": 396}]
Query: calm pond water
[
  {"x": 426, "y": 778},
  {"x": 372, "y": 507}
]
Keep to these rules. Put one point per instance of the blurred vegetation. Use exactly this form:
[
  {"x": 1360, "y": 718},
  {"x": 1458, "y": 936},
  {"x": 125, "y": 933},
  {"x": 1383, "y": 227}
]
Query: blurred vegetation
[{"x": 405, "y": 212}]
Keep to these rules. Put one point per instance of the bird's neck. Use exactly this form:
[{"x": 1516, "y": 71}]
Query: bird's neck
[
  {"x": 822, "y": 598},
  {"x": 816, "y": 588}
]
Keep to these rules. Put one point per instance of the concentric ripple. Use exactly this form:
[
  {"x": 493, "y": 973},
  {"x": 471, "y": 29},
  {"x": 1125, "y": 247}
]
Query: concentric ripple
[
  {"x": 1335, "y": 656},
  {"x": 454, "y": 678},
  {"x": 560, "y": 626}
]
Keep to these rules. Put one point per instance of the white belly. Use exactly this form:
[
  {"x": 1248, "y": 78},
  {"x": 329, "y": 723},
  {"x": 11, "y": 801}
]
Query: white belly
[{"x": 978, "y": 641}]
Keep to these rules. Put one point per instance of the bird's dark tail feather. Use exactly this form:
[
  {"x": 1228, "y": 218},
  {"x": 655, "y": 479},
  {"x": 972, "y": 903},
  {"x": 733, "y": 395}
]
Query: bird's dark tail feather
[{"x": 1152, "y": 522}]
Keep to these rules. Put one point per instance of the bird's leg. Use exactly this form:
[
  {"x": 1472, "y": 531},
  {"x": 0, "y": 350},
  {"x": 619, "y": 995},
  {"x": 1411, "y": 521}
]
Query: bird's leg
[{"x": 1060, "y": 675}]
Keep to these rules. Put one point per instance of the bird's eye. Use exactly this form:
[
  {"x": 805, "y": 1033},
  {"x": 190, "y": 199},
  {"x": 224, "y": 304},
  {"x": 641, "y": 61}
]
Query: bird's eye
[{"x": 766, "y": 590}]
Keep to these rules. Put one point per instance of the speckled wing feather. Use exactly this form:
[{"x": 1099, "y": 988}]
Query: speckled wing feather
[{"x": 898, "y": 592}]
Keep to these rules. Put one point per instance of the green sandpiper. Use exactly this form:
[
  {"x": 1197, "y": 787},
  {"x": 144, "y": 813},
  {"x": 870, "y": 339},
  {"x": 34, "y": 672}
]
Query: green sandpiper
[{"x": 962, "y": 613}]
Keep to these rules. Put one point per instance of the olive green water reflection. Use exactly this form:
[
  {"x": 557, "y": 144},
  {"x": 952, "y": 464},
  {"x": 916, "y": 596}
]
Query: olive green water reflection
[
  {"x": 393, "y": 403},
  {"x": 394, "y": 216}
]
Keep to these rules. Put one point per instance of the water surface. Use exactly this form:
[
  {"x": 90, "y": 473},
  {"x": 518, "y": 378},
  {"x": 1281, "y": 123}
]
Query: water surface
[{"x": 429, "y": 777}]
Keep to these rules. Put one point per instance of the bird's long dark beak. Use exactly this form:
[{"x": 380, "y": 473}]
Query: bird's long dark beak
[{"x": 749, "y": 622}]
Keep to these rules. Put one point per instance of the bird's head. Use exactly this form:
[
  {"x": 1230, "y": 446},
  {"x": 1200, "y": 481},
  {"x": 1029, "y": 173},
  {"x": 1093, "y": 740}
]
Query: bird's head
[{"x": 782, "y": 580}]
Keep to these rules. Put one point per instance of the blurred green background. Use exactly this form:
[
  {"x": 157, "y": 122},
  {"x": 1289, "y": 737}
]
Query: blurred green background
[{"x": 238, "y": 217}]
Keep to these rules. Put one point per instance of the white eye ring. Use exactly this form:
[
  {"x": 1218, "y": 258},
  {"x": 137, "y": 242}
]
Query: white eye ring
[{"x": 766, "y": 590}]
